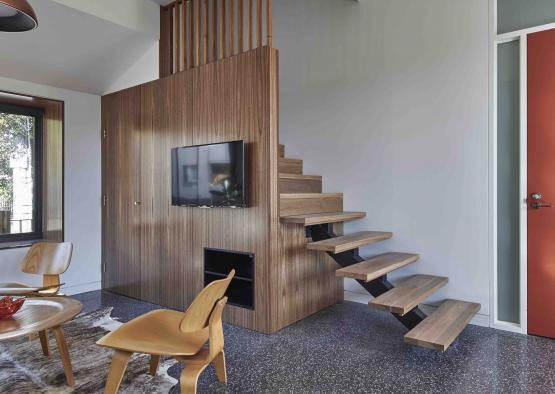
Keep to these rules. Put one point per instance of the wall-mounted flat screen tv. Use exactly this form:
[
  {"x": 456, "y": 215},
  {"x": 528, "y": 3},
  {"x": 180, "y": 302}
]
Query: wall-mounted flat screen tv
[{"x": 210, "y": 175}]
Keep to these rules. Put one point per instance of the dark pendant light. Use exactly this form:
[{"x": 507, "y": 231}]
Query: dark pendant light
[{"x": 17, "y": 15}]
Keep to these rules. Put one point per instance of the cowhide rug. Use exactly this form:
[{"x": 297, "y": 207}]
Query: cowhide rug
[{"x": 24, "y": 369}]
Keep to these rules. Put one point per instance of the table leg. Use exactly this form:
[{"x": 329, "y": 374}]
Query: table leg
[
  {"x": 43, "y": 335},
  {"x": 64, "y": 353}
]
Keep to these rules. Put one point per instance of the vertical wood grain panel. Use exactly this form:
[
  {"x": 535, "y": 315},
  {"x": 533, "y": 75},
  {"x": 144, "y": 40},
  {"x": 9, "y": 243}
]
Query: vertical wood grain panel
[
  {"x": 121, "y": 181},
  {"x": 222, "y": 101}
]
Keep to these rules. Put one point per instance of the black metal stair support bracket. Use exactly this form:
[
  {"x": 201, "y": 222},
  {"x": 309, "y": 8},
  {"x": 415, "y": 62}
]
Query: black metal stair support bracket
[{"x": 375, "y": 287}]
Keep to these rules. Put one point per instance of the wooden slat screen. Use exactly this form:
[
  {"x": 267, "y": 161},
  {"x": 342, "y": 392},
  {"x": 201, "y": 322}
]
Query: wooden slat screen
[{"x": 197, "y": 32}]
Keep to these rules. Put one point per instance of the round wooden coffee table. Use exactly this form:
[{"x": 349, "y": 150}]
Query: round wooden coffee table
[{"x": 39, "y": 315}]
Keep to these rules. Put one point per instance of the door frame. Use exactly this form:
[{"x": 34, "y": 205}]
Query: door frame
[{"x": 495, "y": 40}]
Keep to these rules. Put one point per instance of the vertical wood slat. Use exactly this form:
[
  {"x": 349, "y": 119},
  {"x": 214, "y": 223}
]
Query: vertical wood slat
[
  {"x": 240, "y": 26},
  {"x": 223, "y": 45},
  {"x": 269, "y": 22},
  {"x": 258, "y": 23},
  {"x": 184, "y": 35},
  {"x": 177, "y": 36},
  {"x": 231, "y": 28},
  {"x": 197, "y": 31},
  {"x": 172, "y": 40},
  {"x": 250, "y": 28},
  {"x": 175, "y": 39},
  {"x": 165, "y": 42},
  {"x": 214, "y": 30},
  {"x": 205, "y": 27},
  {"x": 191, "y": 34}
]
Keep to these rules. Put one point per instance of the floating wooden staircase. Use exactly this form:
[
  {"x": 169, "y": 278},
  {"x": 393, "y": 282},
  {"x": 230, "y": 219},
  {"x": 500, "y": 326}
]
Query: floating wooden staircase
[{"x": 302, "y": 202}]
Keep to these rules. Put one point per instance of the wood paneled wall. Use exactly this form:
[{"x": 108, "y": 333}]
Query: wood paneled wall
[
  {"x": 53, "y": 162},
  {"x": 153, "y": 250}
]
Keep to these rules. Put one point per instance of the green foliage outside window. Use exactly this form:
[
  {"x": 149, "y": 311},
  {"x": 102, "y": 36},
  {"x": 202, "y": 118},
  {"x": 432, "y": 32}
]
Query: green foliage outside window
[{"x": 16, "y": 133}]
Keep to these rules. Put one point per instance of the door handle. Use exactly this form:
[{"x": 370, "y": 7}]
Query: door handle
[
  {"x": 136, "y": 203},
  {"x": 538, "y": 205},
  {"x": 536, "y": 201}
]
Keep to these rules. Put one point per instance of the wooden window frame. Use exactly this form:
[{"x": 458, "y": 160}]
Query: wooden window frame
[{"x": 38, "y": 114}]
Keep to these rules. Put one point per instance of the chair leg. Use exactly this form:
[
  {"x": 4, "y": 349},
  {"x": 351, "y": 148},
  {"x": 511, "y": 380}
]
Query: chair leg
[
  {"x": 64, "y": 354},
  {"x": 154, "y": 362},
  {"x": 43, "y": 335},
  {"x": 117, "y": 369},
  {"x": 219, "y": 365},
  {"x": 189, "y": 377}
]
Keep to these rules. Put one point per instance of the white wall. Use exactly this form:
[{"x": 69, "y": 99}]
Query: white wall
[
  {"x": 139, "y": 15},
  {"x": 82, "y": 192},
  {"x": 145, "y": 69},
  {"x": 388, "y": 100}
]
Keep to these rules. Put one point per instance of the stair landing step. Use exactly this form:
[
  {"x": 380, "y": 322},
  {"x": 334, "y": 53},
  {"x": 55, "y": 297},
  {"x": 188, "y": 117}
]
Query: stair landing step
[
  {"x": 349, "y": 242},
  {"x": 443, "y": 326},
  {"x": 377, "y": 266},
  {"x": 325, "y": 217},
  {"x": 408, "y": 293}
]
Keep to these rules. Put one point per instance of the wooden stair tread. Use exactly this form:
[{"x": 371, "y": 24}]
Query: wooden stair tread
[
  {"x": 287, "y": 160},
  {"x": 377, "y": 266},
  {"x": 310, "y": 195},
  {"x": 325, "y": 217},
  {"x": 300, "y": 176},
  {"x": 349, "y": 242},
  {"x": 408, "y": 293},
  {"x": 443, "y": 326}
]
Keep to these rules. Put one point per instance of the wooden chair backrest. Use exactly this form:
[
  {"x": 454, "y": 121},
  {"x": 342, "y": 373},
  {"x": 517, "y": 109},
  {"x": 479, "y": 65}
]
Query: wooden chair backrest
[
  {"x": 47, "y": 258},
  {"x": 198, "y": 314},
  {"x": 215, "y": 328}
]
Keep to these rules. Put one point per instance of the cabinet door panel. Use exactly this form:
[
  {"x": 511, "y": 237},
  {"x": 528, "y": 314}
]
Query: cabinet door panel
[{"x": 121, "y": 183}]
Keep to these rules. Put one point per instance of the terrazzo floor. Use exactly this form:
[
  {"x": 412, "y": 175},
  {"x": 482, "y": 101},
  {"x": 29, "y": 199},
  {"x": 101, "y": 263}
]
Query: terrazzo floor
[{"x": 349, "y": 348}]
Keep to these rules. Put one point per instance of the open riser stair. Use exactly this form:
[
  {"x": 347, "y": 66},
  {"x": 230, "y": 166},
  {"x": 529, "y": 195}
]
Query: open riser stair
[{"x": 302, "y": 202}]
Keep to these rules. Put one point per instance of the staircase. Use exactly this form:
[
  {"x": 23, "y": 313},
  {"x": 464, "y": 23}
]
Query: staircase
[{"x": 302, "y": 202}]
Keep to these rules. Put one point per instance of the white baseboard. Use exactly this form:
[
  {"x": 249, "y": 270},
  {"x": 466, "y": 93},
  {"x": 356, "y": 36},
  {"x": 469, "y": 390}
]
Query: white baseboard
[
  {"x": 82, "y": 288},
  {"x": 478, "y": 320}
]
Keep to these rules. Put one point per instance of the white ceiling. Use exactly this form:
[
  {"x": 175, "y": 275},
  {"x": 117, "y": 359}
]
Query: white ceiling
[{"x": 71, "y": 49}]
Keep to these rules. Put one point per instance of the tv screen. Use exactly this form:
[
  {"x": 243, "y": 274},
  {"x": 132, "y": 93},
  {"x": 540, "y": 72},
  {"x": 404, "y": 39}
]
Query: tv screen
[{"x": 209, "y": 175}]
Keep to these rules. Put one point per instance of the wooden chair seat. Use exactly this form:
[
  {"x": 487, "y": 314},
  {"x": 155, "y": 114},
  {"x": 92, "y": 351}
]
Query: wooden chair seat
[
  {"x": 181, "y": 335},
  {"x": 156, "y": 332},
  {"x": 49, "y": 259},
  {"x": 7, "y": 288}
]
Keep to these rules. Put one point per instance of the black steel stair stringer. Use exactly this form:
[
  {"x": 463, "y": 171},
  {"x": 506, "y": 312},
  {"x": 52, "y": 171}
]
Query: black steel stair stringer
[{"x": 375, "y": 287}]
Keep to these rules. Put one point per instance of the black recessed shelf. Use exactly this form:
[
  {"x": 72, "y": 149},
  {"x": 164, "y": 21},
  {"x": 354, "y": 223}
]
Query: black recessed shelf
[{"x": 217, "y": 265}]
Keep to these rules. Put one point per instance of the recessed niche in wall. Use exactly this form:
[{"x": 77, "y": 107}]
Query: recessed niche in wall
[{"x": 217, "y": 265}]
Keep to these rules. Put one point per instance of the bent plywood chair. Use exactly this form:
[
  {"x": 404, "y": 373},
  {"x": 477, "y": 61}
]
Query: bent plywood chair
[
  {"x": 181, "y": 335},
  {"x": 49, "y": 259}
]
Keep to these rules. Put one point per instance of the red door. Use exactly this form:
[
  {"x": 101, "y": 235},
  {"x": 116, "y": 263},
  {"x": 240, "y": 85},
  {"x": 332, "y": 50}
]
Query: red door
[{"x": 541, "y": 183}]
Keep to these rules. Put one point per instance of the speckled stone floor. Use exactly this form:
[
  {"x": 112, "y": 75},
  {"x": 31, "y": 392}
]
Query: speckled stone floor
[{"x": 349, "y": 348}]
